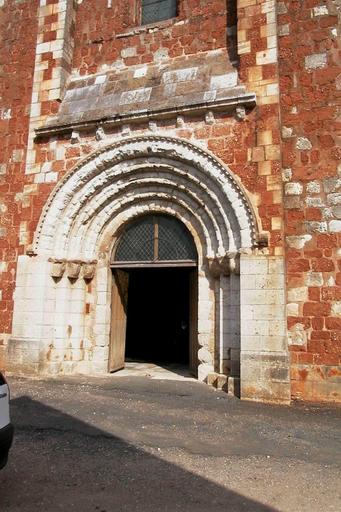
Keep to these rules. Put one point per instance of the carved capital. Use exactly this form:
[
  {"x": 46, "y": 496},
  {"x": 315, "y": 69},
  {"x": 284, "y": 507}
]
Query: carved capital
[
  {"x": 213, "y": 267},
  {"x": 224, "y": 265},
  {"x": 233, "y": 263}
]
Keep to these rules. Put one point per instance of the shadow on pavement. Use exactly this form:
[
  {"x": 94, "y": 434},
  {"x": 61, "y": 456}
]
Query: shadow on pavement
[{"x": 60, "y": 463}]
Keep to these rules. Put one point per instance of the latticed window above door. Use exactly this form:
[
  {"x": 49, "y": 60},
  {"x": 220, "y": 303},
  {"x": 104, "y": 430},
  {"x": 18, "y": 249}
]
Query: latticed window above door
[
  {"x": 137, "y": 243},
  {"x": 157, "y": 238},
  {"x": 158, "y": 10}
]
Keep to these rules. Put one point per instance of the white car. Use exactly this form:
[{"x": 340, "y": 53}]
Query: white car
[{"x": 6, "y": 428}]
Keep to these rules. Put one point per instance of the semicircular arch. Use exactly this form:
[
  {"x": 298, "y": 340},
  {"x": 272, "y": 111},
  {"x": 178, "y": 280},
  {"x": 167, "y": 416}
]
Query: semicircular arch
[{"x": 155, "y": 169}]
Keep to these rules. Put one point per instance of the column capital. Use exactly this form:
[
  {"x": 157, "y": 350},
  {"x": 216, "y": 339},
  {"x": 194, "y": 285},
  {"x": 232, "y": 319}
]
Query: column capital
[{"x": 224, "y": 265}]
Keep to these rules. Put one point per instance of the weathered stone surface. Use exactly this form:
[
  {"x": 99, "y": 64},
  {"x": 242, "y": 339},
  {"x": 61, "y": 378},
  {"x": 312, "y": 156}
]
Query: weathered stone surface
[
  {"x": 58, "y": 269},
  {"x": 148, "y": 88},
  {"x": 73, "y": 269},
  {"x": 316, "y": 61},
  {"x": 298, "y": 294},
  {"x": 303, "y": 143},
  {"x": 23, "y": 356},
  {"x": 335, "y": 226},
  {"x": 313, "y": 187},
  {"x": 215, "y": 162},
  {"x": 205, "y": 356},
  {"x": 314, "y": 279},
  {"x": 88, "y": 270},
  {"x": 265, "y": 377},
  {"x": 293, "y": 189},
  {"x": 298, "y": 242}
]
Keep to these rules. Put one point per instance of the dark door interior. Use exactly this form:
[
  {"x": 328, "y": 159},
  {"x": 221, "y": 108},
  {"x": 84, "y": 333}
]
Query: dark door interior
[{"x": 158, "y": 317}]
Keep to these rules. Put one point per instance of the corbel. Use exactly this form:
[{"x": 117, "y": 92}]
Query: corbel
[
  {"x": 57, "y": 268},
  {"x": 262, "y": 240},
  {"x": 209, "y": 118},
  {"x": 73, "y": 269},
  {"x": 100, "y": 134},
  {"x": 88, "y": 270},
  {"x": 75, "y": 137},
  {"x": 240, "y": 113}
]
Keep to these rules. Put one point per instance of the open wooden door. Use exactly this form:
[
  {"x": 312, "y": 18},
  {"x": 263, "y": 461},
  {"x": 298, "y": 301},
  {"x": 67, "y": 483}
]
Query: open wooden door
[
  {"x": 119, "y": 303},
  {"x": 193, "y": 322}
]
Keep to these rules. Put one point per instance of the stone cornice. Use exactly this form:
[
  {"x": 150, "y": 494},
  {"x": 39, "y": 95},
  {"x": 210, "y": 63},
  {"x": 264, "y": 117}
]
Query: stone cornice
[{"x": 226, "y": 105}]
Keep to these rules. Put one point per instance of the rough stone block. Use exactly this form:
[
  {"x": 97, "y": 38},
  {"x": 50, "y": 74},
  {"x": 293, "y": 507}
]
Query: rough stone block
[
  {"x": 23, "y": 356},
  {"x": 316, "y": 61}
]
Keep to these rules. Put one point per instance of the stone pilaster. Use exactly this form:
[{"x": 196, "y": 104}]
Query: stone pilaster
[
  {"x": 53, "y": 60},
  {"x": 264, "y": 354}
]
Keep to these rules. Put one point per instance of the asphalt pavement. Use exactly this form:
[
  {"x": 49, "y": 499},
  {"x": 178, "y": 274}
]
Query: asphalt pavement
[{"x": 137, "y": 444}]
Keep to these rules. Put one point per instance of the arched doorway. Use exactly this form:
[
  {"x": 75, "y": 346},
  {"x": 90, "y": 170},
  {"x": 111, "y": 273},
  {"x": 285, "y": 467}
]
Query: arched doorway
[
  {"x": 154, "y": 294},
  {"x": 241, "y": 327}
]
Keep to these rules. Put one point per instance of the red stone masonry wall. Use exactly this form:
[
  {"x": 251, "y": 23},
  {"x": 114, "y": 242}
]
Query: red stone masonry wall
[
  {"x": 257, "y": 48},
  {"x": 18, "y": 33},
  {"x": 251, "y": 147},
  {"x": 105, "y": 36},
  {"x": 289, "y": 142},
  {"x": 310, "y": 88}
]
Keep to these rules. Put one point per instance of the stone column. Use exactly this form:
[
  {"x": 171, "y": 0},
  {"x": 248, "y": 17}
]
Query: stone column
[
  {"x": 231, "y": 353},
  {"x": 225, "y": 271},
  {"x": 102, "y": 319},
  {"x": 206, "y": 332}
]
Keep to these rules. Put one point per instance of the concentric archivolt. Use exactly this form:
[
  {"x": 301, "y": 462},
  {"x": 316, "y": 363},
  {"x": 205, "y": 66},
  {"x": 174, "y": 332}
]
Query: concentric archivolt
[{"x": 142, "y": 174}]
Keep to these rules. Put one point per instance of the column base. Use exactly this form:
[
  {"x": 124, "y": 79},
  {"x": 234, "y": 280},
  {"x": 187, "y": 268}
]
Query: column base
[{"x": 227, "y": 383}]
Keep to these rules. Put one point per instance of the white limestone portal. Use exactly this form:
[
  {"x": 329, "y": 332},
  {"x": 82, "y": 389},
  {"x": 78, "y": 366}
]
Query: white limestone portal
[{"x": 62, "y": 308}]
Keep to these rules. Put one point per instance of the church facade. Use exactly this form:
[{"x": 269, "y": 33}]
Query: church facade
[{"x": 170, "y": 191}]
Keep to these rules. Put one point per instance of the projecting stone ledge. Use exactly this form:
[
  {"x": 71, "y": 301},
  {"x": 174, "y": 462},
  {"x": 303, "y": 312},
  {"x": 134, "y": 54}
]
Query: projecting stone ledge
[
  {"x": 227, "y": 105},
  {"x": 201, "y": 85}
]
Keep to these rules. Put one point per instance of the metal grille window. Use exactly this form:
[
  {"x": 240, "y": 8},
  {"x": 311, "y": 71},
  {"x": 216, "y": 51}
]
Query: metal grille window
[
  {"x": 174, "y": 241},
  {"x": 155, "y": 239},
  {"x": 158, "y": 10},
  {"x": 137, "y": 243}
]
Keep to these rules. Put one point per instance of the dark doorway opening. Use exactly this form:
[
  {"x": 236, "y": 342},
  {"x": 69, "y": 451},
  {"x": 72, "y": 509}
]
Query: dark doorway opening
[
  {"x": 158, "y": 315},
  {"x": 154, "y": 308}
]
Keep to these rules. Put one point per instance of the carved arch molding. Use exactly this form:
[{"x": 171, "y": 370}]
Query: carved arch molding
[{"x": 146, "y": 174}]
